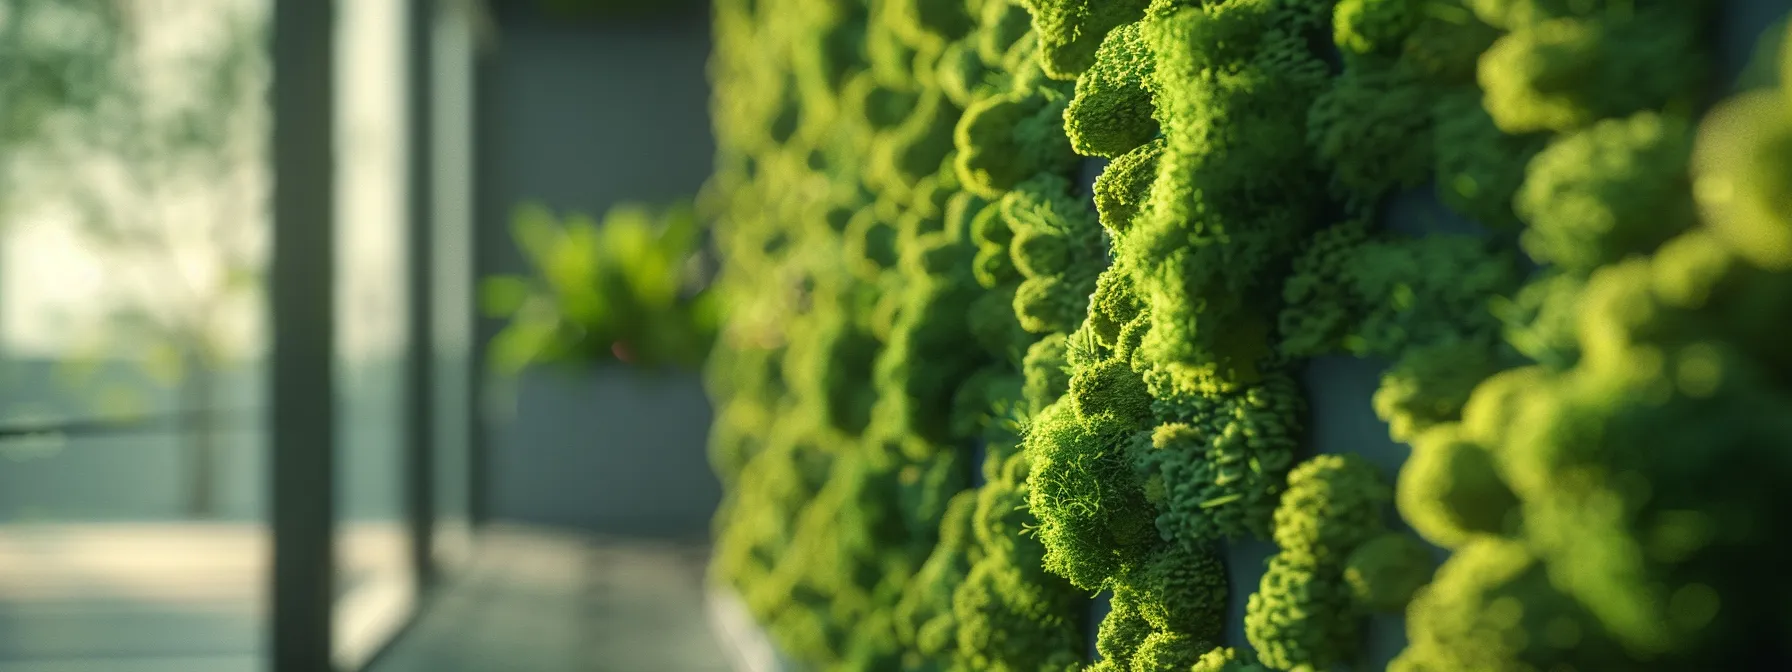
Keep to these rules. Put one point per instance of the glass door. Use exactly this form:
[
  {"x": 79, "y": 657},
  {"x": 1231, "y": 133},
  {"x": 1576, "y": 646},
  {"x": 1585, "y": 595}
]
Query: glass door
[{"x": 375, "y": 581}]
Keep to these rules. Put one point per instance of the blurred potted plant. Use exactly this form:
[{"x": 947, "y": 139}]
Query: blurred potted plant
[
  {"x": 626, "y": 290},
  {"x": 620, "y": 310}
]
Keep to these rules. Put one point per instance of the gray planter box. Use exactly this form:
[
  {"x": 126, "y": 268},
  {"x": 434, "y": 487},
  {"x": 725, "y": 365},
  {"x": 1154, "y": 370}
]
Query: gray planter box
[{"x": 614, "y": 451}]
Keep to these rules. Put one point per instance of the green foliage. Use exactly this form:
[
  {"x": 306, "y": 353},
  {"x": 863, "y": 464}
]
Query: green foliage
[
  {"x": 1232, "y": 197},
  {"x": 1371, "y": 128},
  {"x": 1565, "y": 73},
  {"x": 1058, "y": 249},
  {"x": 1227, "y": 659},
  {"x": 1218, "y": 474},
  {"x": 1003, "y": 140},
  {"x": 1743, "y": 169},
  {"x": 1127, "y": 358},
  {"x": 1111, "y": 113},
  {"x": 1092, "y": 509},
  {"x": 1072, "y": 31},
  {"x": 1384, "y": 572},
  {"x": 1492, "y": 608},
  {"x": 1304, "y": 616},
  {"x": 1380, "y": 296},
  {"x": 615, "y": 290},
  {"x": 1617, "y": 188},
  {"x": 1013, "y": 615},
  {"x": 1125, "y": 186},
  {"x": 1580, "y": 493}
]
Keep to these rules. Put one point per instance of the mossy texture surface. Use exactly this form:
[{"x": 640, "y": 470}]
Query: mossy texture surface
[{"x": 960, "y": 392}]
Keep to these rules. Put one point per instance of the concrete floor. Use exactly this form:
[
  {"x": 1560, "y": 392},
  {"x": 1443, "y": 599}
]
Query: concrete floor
[
  {"x": 186, "y": 598},
  {"x": 541, "y": 602}
]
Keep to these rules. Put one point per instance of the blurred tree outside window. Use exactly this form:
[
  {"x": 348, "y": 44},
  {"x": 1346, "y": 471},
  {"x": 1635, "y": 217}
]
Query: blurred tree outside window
[{"x": 133, "y": 194}]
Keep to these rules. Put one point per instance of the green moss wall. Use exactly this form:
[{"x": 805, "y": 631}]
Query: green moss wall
[{"x": 1417, "y": 334}]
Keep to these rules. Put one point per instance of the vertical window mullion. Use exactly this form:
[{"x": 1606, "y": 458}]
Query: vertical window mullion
[{"x": 302, "y": 291}]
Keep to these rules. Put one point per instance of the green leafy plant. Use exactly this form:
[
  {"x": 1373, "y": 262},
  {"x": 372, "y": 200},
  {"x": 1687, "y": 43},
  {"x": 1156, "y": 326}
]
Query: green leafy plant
[{"x": 620, "y": 290}]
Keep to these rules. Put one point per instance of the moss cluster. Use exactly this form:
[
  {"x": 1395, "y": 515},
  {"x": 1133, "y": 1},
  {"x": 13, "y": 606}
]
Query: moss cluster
[
  {"x": 915, "y": 276},
  {"x": 895, "y": 212},
  {"x": 1559, "y": 423}
]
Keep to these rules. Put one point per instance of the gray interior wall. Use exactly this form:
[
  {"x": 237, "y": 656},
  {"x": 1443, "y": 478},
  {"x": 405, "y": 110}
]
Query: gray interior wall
[{"x": 581, "y": 114}]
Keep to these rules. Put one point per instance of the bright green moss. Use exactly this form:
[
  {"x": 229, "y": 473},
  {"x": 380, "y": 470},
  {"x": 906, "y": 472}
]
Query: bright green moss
[
  {"x": 1319, "y": 309},
  {"x": 1221, "y": 470},
  {"x": 1092, "y": 511},
  {"x": 1450, "y": 491},
  {"x": 1615, "y": 189},
  {"x": 1379, "y": 297},
  {"x": 1429, "y": 383},
  {"x": 1014, "y": 615},
  {"x": 876, "y": 105},
  {"x": 921, "y": 22},
  {"x": 1374, "y": 26},
  {"x": 1230, "y": 200},
  {"x": 984, "y": 406},
  {"x": 1181, "y": 592},
  {"x": 1371, "y": 129},
  {"x": 925, "y": 359},
  {"x": 1384, "y": 572},
  {"x": 1112, "y": 307},
  {"x": 1163, "y": 650},
  {"x": 993, "y": 265},
  {"x": 1481, "y": 611},
  {"x": 1003, "y": 26},
  {"x": 1744, "y": 172},
  {"x": 827, "y": 370},
  {"x": 1332, "y": 504},
  {"x": 1125, "y": 185},
  {"x": 1303, "y": 614},
  {"x": 992, "y": 325},
  {"x": 1301, "y": 618},
  {"x": 1121, "y": 633},
  {"x": 1615, "y": 472},
  {"x": 1564, "y": 74},
  {"x": 1047, "y": 372},
  {"x": 962, "y": 75},
  {"x": 1109, "y": 392},
  {"x": 1071, "y": 31},
  {"x": 1057, "y": 247},
  {"x": 1479, "y": 167},
  {"x": 869, "y": 245},
  {"x": 1159, "y": 412},
  {"x": 1438, "y": 288},
  {"x": 1111, "y": 113},
  {"x": 1227, "y": 659},
  {"x": 903, "y": 156},
  {"x": 924, "y": 619},
  {"x": 1006, "y": 139}
]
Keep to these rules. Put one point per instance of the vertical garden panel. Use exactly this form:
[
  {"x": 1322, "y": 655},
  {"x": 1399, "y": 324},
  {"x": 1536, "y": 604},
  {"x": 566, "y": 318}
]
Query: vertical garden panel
[{"x": 1377, "y": 308}]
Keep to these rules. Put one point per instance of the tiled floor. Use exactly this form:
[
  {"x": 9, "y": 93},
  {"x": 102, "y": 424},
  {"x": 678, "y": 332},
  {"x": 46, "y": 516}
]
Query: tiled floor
[{"x": 544, "y": 603}]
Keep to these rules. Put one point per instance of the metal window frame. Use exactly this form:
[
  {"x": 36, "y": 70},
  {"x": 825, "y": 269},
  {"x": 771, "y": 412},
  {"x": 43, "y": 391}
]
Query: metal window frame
[
  {"x": 302, "y": 289},
  {"x": 303, "y": 358},
  {"x": 420, "y": 404}
]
